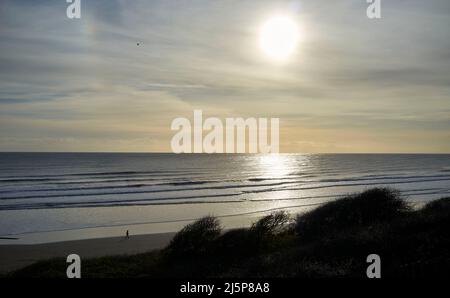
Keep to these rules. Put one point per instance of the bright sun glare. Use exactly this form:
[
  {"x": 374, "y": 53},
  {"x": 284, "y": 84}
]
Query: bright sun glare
[{"x": 279, "y": 37}]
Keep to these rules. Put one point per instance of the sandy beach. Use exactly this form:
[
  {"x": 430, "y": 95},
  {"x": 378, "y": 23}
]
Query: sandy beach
[{"x": 17, "y": 256}]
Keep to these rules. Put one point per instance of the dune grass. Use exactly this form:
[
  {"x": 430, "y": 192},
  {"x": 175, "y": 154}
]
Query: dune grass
[{"x": 331, "y": 241}]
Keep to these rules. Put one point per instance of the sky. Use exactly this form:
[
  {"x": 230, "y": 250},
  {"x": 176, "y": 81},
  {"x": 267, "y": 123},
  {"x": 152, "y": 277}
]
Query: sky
[{"x": 352, "y": 85}]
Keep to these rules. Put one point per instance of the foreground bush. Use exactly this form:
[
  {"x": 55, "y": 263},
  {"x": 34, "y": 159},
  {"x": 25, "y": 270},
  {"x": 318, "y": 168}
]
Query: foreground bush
[
  {"x": 235, "y": 244},
  {"x": 364, "y": 209},
  {"x": 439, "y": 207},
  {"x": 196, "y": 238},
  {"x": 262, "y": 235},
  {"x": 271, "y": 224}
]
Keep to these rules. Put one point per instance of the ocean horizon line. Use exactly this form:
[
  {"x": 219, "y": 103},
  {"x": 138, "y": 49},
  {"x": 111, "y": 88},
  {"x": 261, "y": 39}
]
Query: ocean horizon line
[{"x": 280, "y": 153}]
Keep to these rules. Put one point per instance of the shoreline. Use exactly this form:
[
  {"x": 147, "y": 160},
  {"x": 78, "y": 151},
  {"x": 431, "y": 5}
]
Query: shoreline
[
  {"x": 16, "y": 256},
  {"x": 26, "y": 249},
  {"x": 230, "y": 221},
  {"x": 29, "y": 248},
  {"x": 348, "y": 229}
]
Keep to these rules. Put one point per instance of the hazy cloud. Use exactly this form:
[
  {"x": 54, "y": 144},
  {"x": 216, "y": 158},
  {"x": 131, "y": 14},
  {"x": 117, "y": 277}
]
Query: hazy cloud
[{"x": 354, "y": 84}]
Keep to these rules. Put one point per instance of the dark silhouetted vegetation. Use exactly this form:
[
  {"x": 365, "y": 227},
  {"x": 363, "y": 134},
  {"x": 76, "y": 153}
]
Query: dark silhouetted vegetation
[
  {"x": 196, "y": 238},
  {"x": 373, "y": 206},
  {"x": 333, "y": 240}
]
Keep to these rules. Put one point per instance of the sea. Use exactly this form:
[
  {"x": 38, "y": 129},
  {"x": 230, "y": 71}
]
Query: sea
[{"x": 64, "y": 196}]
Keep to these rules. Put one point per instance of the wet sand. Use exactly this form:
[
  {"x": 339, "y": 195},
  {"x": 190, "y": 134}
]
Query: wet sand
[{"x": 13, "y": 257}]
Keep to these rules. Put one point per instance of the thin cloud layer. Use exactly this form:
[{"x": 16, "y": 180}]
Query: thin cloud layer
[{"x": 353, "y": 85}]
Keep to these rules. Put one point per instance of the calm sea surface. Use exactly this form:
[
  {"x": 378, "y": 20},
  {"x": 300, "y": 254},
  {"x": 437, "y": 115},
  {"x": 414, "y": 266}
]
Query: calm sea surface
[{"x": 58, "y": 191}]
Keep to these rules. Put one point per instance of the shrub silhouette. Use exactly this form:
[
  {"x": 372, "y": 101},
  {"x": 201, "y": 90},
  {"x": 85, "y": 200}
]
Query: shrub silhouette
[
  {"x": 195, "y": 238},
  {"x": 234, "y": 244},
  {"x": 263, "y": 232},
  {"x": 359, "y": 210},
  {"x": 437, "y": 207},
  {"x": 270, "y": 225}
]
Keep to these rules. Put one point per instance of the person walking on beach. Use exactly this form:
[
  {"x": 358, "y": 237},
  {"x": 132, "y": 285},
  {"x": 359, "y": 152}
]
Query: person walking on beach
[{"x": 127, "y": 235}]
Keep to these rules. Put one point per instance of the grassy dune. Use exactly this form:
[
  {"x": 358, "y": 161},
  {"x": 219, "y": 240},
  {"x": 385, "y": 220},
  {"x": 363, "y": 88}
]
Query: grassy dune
[{"x": 330, "y": 241}]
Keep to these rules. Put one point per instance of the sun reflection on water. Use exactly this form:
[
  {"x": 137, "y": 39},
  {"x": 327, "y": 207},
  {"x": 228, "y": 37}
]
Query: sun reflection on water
[{"x": 277, "y": 170}]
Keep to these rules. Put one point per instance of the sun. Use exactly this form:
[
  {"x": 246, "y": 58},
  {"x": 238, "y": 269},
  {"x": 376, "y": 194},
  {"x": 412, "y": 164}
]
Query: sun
[{"x": 278, "y": 37}]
